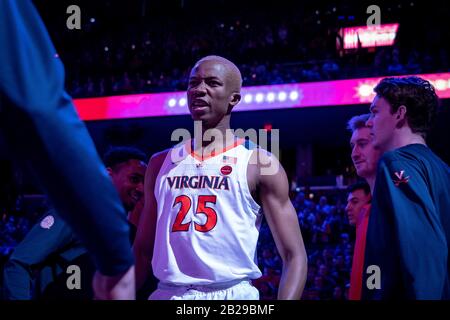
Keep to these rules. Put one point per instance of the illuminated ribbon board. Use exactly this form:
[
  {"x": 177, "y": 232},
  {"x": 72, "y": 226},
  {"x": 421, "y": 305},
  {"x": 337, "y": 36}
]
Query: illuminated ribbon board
[{"x": 271, "y": 97}]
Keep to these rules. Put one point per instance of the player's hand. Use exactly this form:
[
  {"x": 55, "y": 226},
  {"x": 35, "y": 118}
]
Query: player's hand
[{"x": 120, "y": 287}]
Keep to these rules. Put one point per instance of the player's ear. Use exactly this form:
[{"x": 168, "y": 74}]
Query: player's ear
[
  {"x": 110, "y": 171},
  {"x": 401, "y": 115},
  {"x": 234, "y": 100}
]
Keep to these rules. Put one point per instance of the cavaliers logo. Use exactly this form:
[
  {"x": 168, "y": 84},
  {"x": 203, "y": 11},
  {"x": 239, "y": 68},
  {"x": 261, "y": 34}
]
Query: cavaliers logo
[
  {"x": 47, "y": 222},
  {"x": 226, "y": 170},
  {"x": 400, "y": 178}
]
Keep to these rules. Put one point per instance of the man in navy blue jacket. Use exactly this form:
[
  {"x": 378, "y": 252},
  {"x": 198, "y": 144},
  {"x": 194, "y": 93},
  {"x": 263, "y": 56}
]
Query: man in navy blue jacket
[{"x": 408, "y": 234}]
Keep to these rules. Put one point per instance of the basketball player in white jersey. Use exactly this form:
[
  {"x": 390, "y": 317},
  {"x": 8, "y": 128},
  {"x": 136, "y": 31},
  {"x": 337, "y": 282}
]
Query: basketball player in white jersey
[{"x": 200, "y": 223}]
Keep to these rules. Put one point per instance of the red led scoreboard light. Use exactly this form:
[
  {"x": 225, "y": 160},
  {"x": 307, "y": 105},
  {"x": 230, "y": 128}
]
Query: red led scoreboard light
[
  {"x": 294, "y": 95},
  {"x": 372, "y": 36}
]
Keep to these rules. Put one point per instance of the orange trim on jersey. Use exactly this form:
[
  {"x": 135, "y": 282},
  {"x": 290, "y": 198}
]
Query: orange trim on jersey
[{"x": 213, "y": 154}]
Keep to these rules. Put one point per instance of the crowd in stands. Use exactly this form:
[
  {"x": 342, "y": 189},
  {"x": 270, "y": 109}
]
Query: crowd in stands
[
  {"x": 145, "y": 80},
  {"x": 12, "y": 230},
  {"x": 154, "y": 52},
  {"x": 16, "y": 222},
  {"x": 329, "y": 243}
]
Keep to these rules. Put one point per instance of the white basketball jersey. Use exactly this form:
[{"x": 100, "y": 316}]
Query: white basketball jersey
[{"x": 208, "y": 222}]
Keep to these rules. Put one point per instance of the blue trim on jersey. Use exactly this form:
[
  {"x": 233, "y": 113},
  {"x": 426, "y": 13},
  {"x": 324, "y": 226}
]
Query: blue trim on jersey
[{"x": 250, "y": 145}]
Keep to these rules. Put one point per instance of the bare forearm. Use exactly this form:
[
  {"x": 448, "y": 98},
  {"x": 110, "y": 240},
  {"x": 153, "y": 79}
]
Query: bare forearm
[
  {"x": 293, "y": 278},
  {"x": 119, "y": 287}
]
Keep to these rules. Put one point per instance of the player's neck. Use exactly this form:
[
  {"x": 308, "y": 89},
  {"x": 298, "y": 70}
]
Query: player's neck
[
  {"x": 404, "y": 137},
  {"x": 215, "y": 137}
]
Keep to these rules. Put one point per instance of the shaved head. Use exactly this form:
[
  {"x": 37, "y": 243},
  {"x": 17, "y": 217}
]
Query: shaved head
[
  {"x": 233, "y": 74},
  {"x": 214, "y": 89}
]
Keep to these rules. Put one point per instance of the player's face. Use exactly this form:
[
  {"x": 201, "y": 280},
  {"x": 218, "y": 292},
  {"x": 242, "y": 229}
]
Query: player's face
[
  {"x": 355, "y": 201},
  {"x": 208, "y": 92},
  {"x": 364, "y": 155},
  {"x": 128, "y": 179},
  {"x": 382, "y": 123}
]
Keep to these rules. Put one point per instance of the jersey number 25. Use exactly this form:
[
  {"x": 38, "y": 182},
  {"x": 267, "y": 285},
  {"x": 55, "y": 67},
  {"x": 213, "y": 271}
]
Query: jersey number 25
[{"x": 186, "y": 203}]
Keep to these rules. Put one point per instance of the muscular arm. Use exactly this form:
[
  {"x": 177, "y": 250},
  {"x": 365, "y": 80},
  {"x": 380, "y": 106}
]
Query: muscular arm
[
  {"x": 283, "y": 223},
  {"x": 145, "y": 236}
]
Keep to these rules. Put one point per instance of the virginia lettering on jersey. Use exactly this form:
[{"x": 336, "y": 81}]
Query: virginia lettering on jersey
[{"x": 198, "y": 182}]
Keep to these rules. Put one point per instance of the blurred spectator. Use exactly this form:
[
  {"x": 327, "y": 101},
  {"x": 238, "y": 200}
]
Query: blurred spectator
[{"x": 395, "y": 67}]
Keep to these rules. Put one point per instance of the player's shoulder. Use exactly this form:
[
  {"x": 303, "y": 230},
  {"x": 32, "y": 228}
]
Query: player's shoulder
[
  {"x": 393, "y": 162},
  {"x": 160, "y": 155},
  {"x": 266, "y": 162},
  {"x": 177, "y": 148},
  {"x": 261, "y": 155},
  {"x": 388, "y": 158},
  {"x": 400, "y": 154},
  {"x": 404, "y": 164},
  {"x": 249, "y": 144},
  {"x": 157, "y": 160},
  {"x": 410, "y": 155}
]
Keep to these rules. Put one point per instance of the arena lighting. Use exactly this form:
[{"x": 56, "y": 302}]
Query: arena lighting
[
  {"x": 268, "y": 127},
  {"x": 293, "y": 95},
  {"x": 369, "y": 36},
  {"x": 259, "y": 97},
  {"x": 283, "y": 96},
  {"x": 172, "y": 102},
  {"x": 270, "y": 97},
  {"x": 182, "y": 102},
  {"x": 365, "y": 90},
  {"x": 248, "y": 98},
  {"x": 441, "y": 84}
]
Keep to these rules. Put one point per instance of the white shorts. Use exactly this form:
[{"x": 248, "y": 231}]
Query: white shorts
[{"x": 242, "y": 290}]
